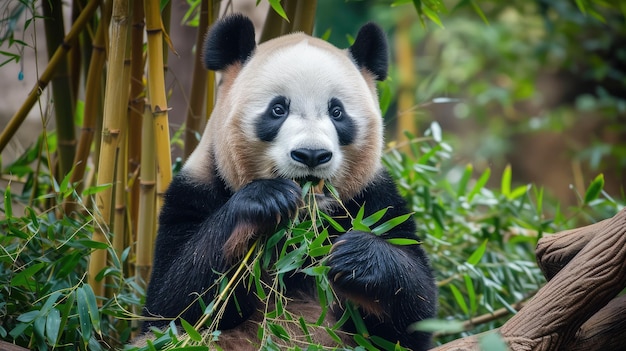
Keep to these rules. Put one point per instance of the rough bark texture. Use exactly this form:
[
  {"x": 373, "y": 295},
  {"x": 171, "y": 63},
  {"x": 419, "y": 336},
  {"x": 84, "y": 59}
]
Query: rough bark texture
[{"x": 577, "y": 309}]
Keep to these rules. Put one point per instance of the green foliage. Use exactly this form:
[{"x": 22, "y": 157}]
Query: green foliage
[{"x": 44, "y": 300}]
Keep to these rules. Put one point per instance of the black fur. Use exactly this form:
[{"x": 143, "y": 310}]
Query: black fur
[
  {"x": 369, "y": 50},
  {"x": 229, "y": 41},
  {"x": 268, "y": 124},
  {"x": 346, "y": 130}
]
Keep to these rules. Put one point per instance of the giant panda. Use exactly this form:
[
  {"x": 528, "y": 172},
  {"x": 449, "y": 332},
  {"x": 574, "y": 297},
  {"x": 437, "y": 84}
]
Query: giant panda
[{"x": 289, "y": 110}]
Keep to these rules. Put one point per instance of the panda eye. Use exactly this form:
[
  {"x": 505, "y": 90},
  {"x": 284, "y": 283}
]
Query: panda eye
[
  {"x": 279, "y": 110},
  {"x": 336, "y": 112}
]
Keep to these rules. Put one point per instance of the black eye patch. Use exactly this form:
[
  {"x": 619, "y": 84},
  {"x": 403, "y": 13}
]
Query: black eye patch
[
  {"x": 269, "y": 123},
  {"x": 346, "y": 130}
]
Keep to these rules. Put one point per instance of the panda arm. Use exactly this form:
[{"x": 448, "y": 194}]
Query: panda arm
[
  {"x": 191, "y": 253},
  {"x": 393, "y": 285}
]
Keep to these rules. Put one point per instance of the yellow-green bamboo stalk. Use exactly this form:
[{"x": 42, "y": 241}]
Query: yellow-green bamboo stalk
[
  {"x": 158, "y": 98},
  {"x": 406, "y": 100},
  {"x": 119, "y": 218},
  {"x": 272, "y": 27},
  {"x": 112, "y": 135},
  {"x": 61, "y": 87},
  {"x": 304, "y": 17},
  {"x": 93, "y": 102},
  {"x": 290, "y": 7},
  {"x": 135, "y": 112},
  {"x": 214, "y": 10},
  {"x": 146, "y": 225},
  {"x": 19, "y": 117},
  {"x": 194, "y": 122}
]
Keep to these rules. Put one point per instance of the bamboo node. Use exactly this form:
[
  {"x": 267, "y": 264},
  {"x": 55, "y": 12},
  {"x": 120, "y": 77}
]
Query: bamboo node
[{"x": 157, "y": 109}]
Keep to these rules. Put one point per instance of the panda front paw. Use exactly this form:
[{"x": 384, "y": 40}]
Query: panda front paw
[
  {"x": 364, "y": 268},
  {"x": 260, "y": 208}
]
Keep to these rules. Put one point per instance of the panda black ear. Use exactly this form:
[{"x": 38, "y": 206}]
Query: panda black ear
[
  {"x": 229, "y": 41},
  {"x": 370, "y": 50}
]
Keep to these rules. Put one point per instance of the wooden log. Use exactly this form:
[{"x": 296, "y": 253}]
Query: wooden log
[
  {"x": 555, "y": 251},
  {"x": 7, "y": 346},
  {"x": 606, "y": 330},
  {"x": 573, "y": 307}
]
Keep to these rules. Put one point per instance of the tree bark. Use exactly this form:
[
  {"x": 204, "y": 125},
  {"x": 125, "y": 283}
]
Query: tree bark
[{"x": 577, "y": 309}]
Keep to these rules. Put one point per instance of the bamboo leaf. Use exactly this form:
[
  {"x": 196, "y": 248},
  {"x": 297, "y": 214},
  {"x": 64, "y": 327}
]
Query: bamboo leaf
[
  {"x": 505, "y": 185},
  {"x": 478, "y": 254},
  {"x": 480, "y": 183},
  {"x": 190, "y": 330},
  {"x": 390, "y": 224},
  {"x": 438, "y": 325},
  {"x": 375, "y": 217},
  {"x": 467, "y": 174},
  {"x": 276, "y": 6},
  {"x": 478, "y": 11},
  {"x": 403, "y": 241},
  {"x": 459, "y": 298},
  {"x": 53, "y": 325},
  {"x": 594, "y": 189},
  {"x": 471, "y": 294},
  {"x": 83, "y": 314},
  {"x": 24, "y": 278}
]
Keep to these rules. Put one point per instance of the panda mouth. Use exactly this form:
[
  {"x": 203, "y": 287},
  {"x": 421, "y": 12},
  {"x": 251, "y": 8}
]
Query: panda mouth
[{"x": 317, "y": 184}]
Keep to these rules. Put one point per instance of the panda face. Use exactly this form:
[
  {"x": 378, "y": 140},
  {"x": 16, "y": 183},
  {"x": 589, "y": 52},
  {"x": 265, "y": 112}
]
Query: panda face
[{"x": 298, "y": 108}]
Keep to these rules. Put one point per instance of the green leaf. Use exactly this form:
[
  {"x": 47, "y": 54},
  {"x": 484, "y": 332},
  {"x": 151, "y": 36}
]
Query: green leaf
[
  {"x": 471, "y": 294},
  {"x": 480, "y": 183},
  {"x": 492, "y": 341},
  {"x": 279, "y": 9},
  {"x": 279, "y": 331},
  {"x": 479, "y": 11},
  {"x": 8, "y": 210},
  {"x": 403, "y": 241},
  {"x": 24, "y": 278},
  {"x": 459, "y": 298},
  {"x": 92, "y": 306},
  {"x": 594, "y": 189},
  {"x": 361, "y": 341},
  {"x": 467, "y": 174},
  {"x": 438, "y": 325},
  {"x": 519, "y": 191},
  {"x": 190, "y": 330},
  {"x": 505, "y": 185},
  {"x": 53, "y": 325},
  {"x": 357, "y": 222},
  {"x": 374, "y": 217},
  {"x": 95, "y": 189},
  {"x": 83, "y": 314},
  {"x": 390, "y": 224},
  {"x": 478, "y": 254}
]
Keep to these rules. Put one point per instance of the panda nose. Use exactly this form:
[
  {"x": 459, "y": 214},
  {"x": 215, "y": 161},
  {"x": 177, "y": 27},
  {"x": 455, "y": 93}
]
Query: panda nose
[{"x": 311, "y": 158}]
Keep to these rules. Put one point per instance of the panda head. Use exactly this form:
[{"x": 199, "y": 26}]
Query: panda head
[{"x": 294, "y": 107}]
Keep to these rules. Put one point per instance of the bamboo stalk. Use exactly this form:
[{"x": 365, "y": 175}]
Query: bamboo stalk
[
  {"x": 119, "y": 218},
  {"x": 272, "y": 27},
  {"x": 135, "y": 111},
  {"x": 304, "y": 17},
  {"x": 194, "y": 122},
  {"x": 214, "y": 10},
  {"x": 62, "y": 97},
  {"x": 406, "y": 100},
  {"x": 158, "y": 98},
  {"x": 147, "y": 203},
  {"x": 19, "y": 117},
  {"x": 290, "y": 10},
  {"x": 93, "y": 101},
  {"x": 112, "y": 134}
]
